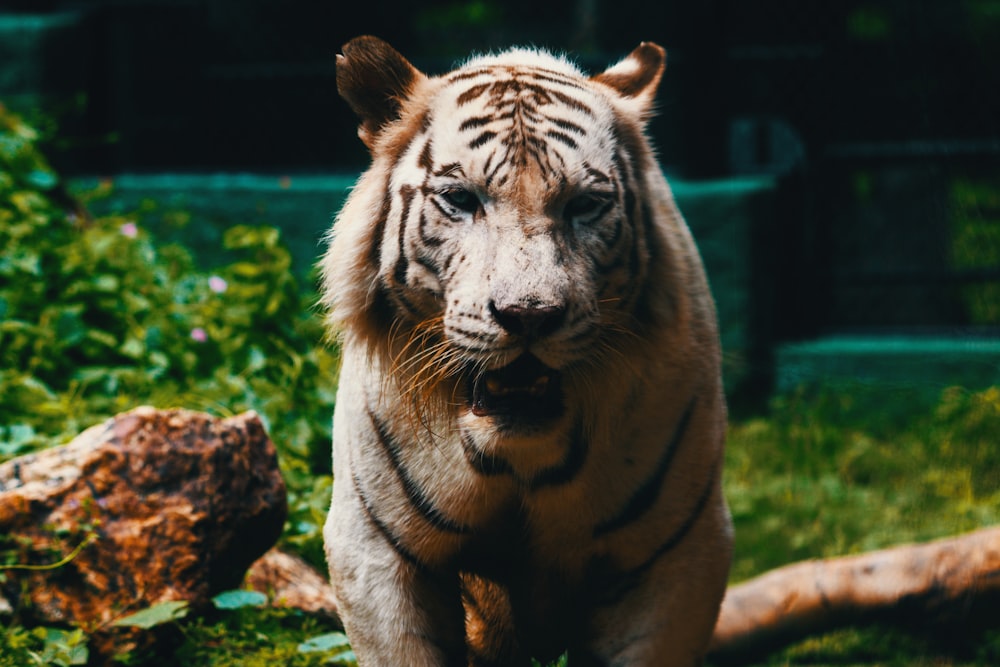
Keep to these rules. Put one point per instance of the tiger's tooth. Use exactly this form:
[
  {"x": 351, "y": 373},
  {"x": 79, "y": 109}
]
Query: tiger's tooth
[{"x": 540, "y": 385}]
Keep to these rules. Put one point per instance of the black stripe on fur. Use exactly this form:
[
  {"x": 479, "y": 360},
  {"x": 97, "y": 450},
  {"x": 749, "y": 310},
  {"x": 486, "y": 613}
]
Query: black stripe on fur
[
  {"x": 646, "y": 494},
  {"x": 391, "y": 538},
  {"x": 565, "y": 471},
  {"x": 416, "y": 495}
]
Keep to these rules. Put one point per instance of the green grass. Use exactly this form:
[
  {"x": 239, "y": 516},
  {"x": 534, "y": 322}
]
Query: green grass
[
  {"x": 831, "y": 472},
  {"x": 835, "y": 472},
  {"x": 885, "y": 646}
]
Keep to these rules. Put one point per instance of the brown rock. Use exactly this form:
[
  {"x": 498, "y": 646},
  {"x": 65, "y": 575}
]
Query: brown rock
[
  {"x": 167, "y": 505},
  {"x": 292, "y": 583}
]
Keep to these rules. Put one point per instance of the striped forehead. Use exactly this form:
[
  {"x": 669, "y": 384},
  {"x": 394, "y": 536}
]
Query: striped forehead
[{"x": 522, "y": 116}]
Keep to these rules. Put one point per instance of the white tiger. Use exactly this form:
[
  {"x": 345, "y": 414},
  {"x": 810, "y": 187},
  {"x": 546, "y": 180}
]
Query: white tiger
[{"x": 530, "y": 422}]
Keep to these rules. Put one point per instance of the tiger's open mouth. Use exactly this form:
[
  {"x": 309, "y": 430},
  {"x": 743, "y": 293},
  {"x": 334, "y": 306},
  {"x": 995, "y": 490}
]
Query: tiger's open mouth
[{"x": 525, "y": 391}]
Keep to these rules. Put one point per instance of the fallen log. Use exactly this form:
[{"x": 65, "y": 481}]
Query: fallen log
[{"x": 950, "y": 583}]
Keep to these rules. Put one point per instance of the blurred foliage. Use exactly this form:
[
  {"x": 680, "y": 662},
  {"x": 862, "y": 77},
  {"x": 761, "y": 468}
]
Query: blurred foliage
[
  {"x": 983, "y": 24},
  {"x": 869, "y": 23},
  {"x": 97, "y": 317},
  {"x": 43, "y": 647},
  {"x": 976, "y": 243},
  {"x": 459, "y": 15},
  {"x": 458, "y": 27}
]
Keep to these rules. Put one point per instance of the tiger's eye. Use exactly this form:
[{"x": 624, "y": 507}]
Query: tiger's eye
[
  {"x": 461, "y": 199},
  {"x": 586, "y": 206}
]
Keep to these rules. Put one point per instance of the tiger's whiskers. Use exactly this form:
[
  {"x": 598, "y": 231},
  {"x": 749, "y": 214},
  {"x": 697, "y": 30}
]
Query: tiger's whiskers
[{"x": 422, "y": 364}]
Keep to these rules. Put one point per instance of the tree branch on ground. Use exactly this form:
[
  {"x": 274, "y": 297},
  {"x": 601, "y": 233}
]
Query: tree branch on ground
[{"x": 952, "y": 583}]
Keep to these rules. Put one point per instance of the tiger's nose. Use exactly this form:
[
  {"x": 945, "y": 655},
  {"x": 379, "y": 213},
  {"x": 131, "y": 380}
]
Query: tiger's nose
[{"x": 528, "y": 321}]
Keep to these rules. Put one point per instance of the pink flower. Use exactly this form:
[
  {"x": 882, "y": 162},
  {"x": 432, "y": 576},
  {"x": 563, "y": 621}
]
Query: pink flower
[
  {"x": 129, "y": 230},
  {"x": 217, "y": 284},
  {"x": 199, "y": 335}
]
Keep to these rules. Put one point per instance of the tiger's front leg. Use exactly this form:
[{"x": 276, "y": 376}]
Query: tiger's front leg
[
  {"x": 667, "y": 618},
  {"x": 395, "y": 611}
]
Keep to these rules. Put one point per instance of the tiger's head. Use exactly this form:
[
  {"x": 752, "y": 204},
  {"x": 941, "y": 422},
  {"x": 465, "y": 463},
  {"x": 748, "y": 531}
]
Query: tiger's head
[{"x": 498, "y": 249}]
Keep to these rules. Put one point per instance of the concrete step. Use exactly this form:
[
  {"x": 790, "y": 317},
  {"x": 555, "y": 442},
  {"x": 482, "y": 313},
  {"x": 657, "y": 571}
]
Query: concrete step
[{"x": 931, "y": 362}]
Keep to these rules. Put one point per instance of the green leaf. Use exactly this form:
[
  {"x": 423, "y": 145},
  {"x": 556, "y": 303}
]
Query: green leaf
[
  {"x": 15, "y": 438},
  {"x": 256, "y": 359},
  {"x": 107, "y": 283},
  {"x": 247, "y": 270},
  {"x": 346, "y": 658},
  {"x": 21, "y": 260},
  {"x": 70, "y": 328},
  {"x": 65, "y": 648},
  {"x": 102, "y": 338},
  {"x": 245, "y": 236},
  {"x": 42, "y": 179},
  {"x": 323, "y": 643},
  {"x": 133, "y": 348},
  {"x": 239, "y": 599},
  {"x": 31, "y": 389},
  {"x": 158, "y": 614}
]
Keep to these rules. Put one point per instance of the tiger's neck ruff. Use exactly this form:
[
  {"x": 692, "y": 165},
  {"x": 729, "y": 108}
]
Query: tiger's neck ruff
[{"x": 529, "y": 425}]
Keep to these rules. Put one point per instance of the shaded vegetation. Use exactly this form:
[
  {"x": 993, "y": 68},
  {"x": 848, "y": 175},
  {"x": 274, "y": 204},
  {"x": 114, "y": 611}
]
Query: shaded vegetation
[
  {"x": 975, "y": 206},
  {"x": 97, "y": 316}
]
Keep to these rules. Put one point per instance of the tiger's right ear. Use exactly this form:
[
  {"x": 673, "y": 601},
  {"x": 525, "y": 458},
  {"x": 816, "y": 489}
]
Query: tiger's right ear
[
  {"x": 375, "y": 80},
  {"x": 637, "y": 77}
]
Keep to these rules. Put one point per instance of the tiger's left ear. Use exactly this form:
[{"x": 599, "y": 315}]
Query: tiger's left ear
[
  {"x": 375, "y": 80},
  {"x": 637, "y": 76}
]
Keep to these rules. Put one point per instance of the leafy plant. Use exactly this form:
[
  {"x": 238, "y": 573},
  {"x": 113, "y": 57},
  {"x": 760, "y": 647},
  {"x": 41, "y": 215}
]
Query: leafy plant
[
  {"x": 98, "y": 317},
  {"x": 44, "y": 647},
  {"x": 249, "y": 637},
  {"x": 975, "y": 244}
]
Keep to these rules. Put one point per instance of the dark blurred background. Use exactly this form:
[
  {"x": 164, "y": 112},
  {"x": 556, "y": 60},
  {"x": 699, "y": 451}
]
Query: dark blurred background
[{"x": 873, "y": 125}]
